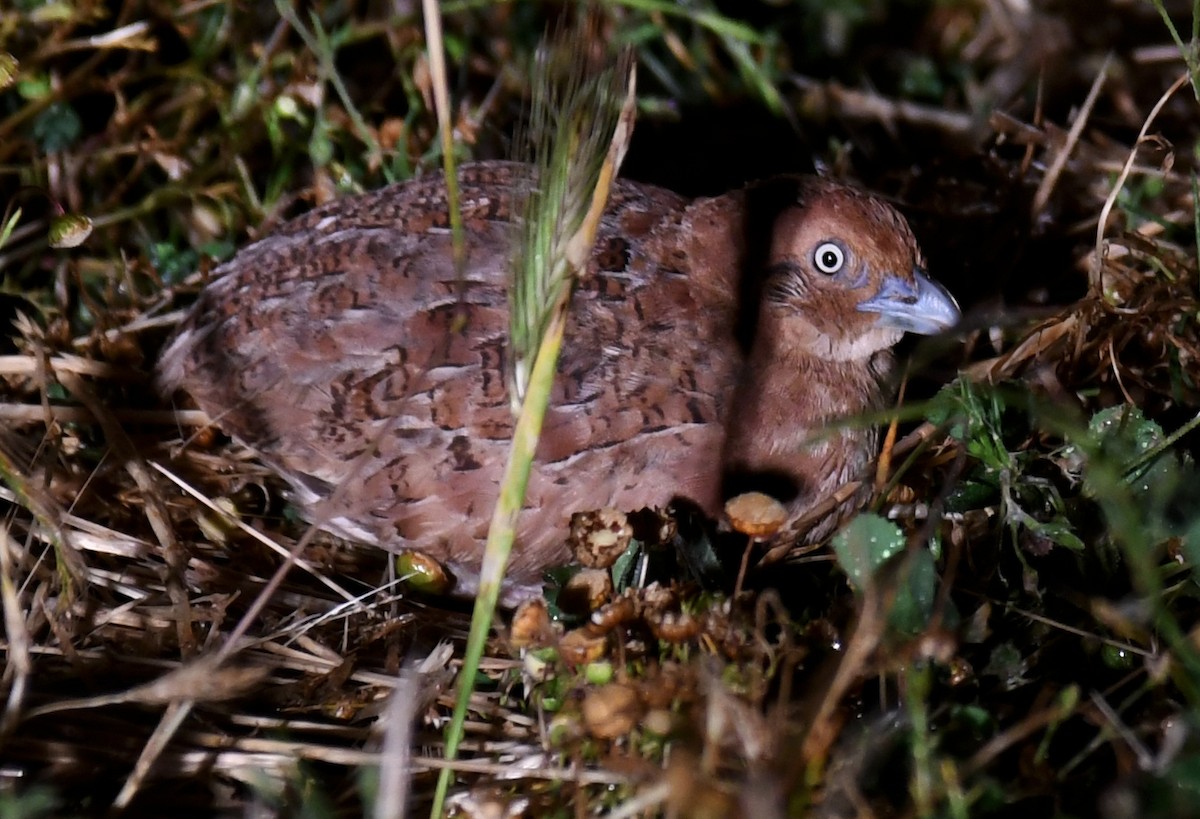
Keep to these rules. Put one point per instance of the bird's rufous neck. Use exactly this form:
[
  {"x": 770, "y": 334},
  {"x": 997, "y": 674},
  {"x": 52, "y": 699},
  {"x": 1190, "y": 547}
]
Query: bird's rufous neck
[{"x": 792, "y": 431}]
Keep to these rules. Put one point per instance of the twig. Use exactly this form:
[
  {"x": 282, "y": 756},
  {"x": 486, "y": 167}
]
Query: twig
[
  {"x": 1060, "y": 159},
  {"x": 867, "y": 105},
  {"x": 18, "y": 666},
  {"x": 1097, "y": 273}
]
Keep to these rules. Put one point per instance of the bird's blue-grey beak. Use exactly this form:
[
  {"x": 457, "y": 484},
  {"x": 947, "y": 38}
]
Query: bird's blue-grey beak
[{"x": 921, "y": 306}]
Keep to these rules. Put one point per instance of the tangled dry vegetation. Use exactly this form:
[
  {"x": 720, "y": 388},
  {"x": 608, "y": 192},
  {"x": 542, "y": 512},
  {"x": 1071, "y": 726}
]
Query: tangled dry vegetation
[{"x": 1013, "y": 629}]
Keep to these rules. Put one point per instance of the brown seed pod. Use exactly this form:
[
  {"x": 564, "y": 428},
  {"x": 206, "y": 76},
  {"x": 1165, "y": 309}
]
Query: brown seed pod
[
  {"x": 672, "y": 626},
  {"x": 204, "y": 438},
  {"x": 531, "y": 625},
  {"x": 657, "y": 597},
  {"x": 582, "y": 645},
  {"x": 611, "y": 711},
  {"x": 663, "y": 685},
  {"x": 618, "y": 612},
  {"x": 586, "y": 591},
  {"x": 961, "y": 672},
  {"x": 599, "y": 537},
  {"x": 902, "y": 493}
]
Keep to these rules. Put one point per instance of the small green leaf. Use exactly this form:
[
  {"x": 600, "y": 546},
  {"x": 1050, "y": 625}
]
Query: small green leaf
[
  {"x": 34, "y": 803},
  {"x": 218, "y": 249},
  {"x": 52, "y": 12},
  {"x": 1125, "y": 431},
  {"x": 865, "y": 545},
  {"x": 1119, "y": 659},
  {"x": 600, "y": 672},
  {"x": 919, "y": 79},
  {"x": 320, "y": 146},
  {"x": 1125, "y": 434},
  {"x": 915, "y": 595},
  {"x": 57, "y": 128},
  {"x": 979, "y": 721},
  {"x": 623, "y": 568},
  {"x": 1007, "y": 664},
  {"x": 173, "y": 263},
  {"x": 34, "y": 87},
  {"x": 1057, "y": 530},
  {"x": 8, "y": 227},
  {"x": 972, "y": 494}
]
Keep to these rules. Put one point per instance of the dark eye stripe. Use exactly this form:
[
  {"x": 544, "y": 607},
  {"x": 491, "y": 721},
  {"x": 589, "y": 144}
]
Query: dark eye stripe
[{"x": 784, "y": 283}]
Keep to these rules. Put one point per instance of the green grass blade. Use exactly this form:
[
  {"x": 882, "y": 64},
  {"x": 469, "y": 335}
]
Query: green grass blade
[{"x": 580, "y": 126}]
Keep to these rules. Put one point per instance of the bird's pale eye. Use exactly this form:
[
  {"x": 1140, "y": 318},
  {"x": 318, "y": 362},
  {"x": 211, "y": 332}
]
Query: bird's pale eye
[{"x": 829, "y": 258}]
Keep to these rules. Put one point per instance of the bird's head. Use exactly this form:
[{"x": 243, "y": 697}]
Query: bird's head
[{"x": 845, "y": 278}]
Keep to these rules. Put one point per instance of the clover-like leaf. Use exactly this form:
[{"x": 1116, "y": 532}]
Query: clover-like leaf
[
  {"x": 69, "y": 230},
  {"x": 864, "y": 545},
  {"x": 8, "y": 69}
]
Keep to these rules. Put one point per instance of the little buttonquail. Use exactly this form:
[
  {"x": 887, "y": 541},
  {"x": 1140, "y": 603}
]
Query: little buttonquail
[{"x": 707, "y": 351}]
